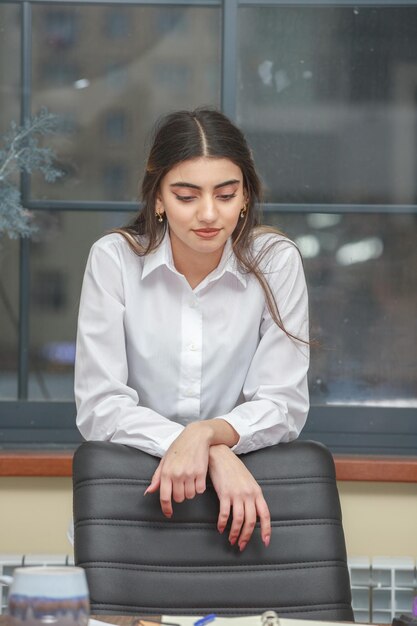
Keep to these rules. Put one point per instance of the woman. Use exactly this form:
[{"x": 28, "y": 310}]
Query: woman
[{"x": 193, "y": 327}]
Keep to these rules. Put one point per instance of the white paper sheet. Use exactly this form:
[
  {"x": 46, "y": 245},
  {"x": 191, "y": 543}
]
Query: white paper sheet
[{"x": 250, "y": 620}]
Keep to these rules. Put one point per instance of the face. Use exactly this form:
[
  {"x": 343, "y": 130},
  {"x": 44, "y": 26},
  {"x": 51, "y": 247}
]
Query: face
[{"x": 202, "y": 199}]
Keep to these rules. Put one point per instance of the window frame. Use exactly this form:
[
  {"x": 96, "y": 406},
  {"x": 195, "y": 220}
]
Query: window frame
[{"x": 25, "y": 423}]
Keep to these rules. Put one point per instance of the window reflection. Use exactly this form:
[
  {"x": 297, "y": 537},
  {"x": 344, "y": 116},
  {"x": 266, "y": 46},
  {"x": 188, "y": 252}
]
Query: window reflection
[
  {"x": 9, "y": 250},
  {"x": 327, "y": 96},
  {"x": 361, "y": 275},
  {"x": 115, "y": 126},
  {"x": 113, "y": 70},
  {"x": 115, "y": 179},
  {"x": 9, "y": 317},
  {"x": 116, "y": 74},
  {"x": 59, "y": 73},
  {"x": 49, "y": 290},
  {"x": 116, "y": 23},
  {"x": 60, "y": 28},
  {"x": 9, "y": 65},
  {"x": 57, "y": 260},
  {"x": 363, "y": 312}
]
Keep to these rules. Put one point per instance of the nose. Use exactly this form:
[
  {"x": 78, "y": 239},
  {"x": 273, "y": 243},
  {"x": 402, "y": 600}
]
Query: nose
[{"x": 207, "y": 211}]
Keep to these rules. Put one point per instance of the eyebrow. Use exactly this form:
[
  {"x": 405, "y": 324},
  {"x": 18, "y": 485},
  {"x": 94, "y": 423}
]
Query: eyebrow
[{"x": 192, "y": 186}]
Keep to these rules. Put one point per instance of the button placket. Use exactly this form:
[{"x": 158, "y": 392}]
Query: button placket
[{"x": 191, "y": 361}]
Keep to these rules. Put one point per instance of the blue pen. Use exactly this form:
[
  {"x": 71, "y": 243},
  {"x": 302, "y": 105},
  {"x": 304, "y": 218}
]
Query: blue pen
[{"x": 205, "y": 620}]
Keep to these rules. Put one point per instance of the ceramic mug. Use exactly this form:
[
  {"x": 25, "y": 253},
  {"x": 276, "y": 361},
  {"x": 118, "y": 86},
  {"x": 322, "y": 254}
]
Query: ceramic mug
[{"x": 48, "y": 595}]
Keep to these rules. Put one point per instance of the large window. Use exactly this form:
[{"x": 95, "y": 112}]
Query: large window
[{"x": 326, "y": 95}]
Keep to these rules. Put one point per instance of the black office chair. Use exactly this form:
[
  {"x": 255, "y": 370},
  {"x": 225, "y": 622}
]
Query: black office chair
[{"x": 139, "y": 562}]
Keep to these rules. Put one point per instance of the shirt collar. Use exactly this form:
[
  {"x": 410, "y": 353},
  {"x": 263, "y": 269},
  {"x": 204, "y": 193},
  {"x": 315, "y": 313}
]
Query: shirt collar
[{"x": 162, "y": 255}]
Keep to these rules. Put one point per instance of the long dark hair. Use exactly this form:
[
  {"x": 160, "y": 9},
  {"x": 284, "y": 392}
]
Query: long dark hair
[{"x": 204, "y": 132}]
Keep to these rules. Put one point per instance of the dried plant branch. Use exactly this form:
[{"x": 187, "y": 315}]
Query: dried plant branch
[{"x": 21, "y": 152}]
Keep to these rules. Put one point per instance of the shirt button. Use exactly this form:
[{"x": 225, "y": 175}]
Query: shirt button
[
  {"x": 193, "y": 347},
  {"x": 193, "y": 304},
  {"x": 189, "y": 391}
]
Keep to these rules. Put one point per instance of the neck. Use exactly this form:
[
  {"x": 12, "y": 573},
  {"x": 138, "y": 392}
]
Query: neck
[
  {"x": 194, "y": 267},
  {"x": 196, "y": 270}
]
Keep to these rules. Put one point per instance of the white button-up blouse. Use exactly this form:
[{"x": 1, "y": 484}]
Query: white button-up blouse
[{"x": 153, "y": 354}]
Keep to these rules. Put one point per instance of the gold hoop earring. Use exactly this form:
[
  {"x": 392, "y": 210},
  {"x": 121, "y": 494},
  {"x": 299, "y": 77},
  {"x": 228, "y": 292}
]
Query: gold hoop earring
[
  {"x": 159, "y": 217},
  {"x": 243, "y": 211}
]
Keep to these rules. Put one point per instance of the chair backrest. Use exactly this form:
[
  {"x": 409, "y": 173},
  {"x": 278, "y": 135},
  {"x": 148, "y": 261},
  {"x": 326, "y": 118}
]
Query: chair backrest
[{"x": 139, "y": 562}]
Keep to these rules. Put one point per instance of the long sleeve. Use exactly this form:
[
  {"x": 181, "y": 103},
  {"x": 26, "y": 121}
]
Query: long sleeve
[
  {"x": 275, "y": 389},
  {"x": 107, "y": 407}
]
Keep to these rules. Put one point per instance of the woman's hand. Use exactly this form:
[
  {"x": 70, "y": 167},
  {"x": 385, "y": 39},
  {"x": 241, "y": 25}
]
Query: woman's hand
[
  {"x": 236, "y": 488},
  {"x": 182, "y": 471}
]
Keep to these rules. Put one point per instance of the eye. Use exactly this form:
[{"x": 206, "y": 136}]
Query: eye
[
  {"x": 226, "y": 197},
  {"x": 184, "y": 198}
]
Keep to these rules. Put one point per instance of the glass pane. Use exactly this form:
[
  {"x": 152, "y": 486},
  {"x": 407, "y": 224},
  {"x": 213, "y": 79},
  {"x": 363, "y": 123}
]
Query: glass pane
[
  {"x": 9, "y": 316},
  {"x": 9, "y": 65},
  {"x": 58, "y": 257},
  {"x": 327, "y": 97},
  {"x": 9, "y": 250},
  {"x": 110, "y": 72},
  {"x": 363, "y": 304}
]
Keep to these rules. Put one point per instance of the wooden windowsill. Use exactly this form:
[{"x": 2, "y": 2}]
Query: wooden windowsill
[
  {"x": 356, "y": 468},
  {"x": 36, "y": 463},
  {"x": 377, "y": 469}
]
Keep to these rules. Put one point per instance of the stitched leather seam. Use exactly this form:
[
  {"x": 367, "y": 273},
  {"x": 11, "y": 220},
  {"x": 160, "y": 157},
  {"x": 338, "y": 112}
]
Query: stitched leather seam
[
  {"x": 113, "y": 481},
  {"x": 245, "y": 611},
  {"x": 262, "y": 481},
  {"x": 214, "y": 569},
  {"x": 97, "y": 521}
]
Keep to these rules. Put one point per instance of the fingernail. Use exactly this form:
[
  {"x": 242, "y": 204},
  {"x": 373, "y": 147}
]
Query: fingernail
[
  {"x": 267, "y": 540},
  {"x": 146, "y": 491},
  {"x": 221, "y": 530},
  {"x": 232, "y": 542},
  {"x": 243, "y": 545}
]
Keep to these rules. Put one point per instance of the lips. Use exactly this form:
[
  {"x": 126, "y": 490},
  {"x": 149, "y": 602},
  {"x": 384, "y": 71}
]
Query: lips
[{"x": 207, "y": 233}]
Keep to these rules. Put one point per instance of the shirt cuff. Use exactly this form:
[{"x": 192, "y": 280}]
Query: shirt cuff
[
  {"x": 243, "y": 430},
  {"x": 155, "y": 447}
]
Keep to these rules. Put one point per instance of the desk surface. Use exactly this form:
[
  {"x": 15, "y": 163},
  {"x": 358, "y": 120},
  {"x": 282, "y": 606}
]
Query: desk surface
[
  {"x": 120, "y": 620},
  {"x": 133, "y": 620}
]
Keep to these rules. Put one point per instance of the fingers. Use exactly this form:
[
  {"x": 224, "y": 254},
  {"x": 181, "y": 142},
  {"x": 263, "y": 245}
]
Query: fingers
[
  {"x": 165, "y": 489},
  {"x": 237, "y": 520},
  {"x": 200, "y": 484},
  {"x": 238, "y": 494},
  {"x": 155, "y": 482},
  {"x": 165, "y": 494},
  {"x": 249, "y": 524},
  {"x": 194, "y": 487},
  {"x": 245, "y": 513},
  {"x": 187, "y": 488},
  {"x": 224, "y": 513},
  {"x": 264, "y": 518},
  {"x": 178, "y": 489}
]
